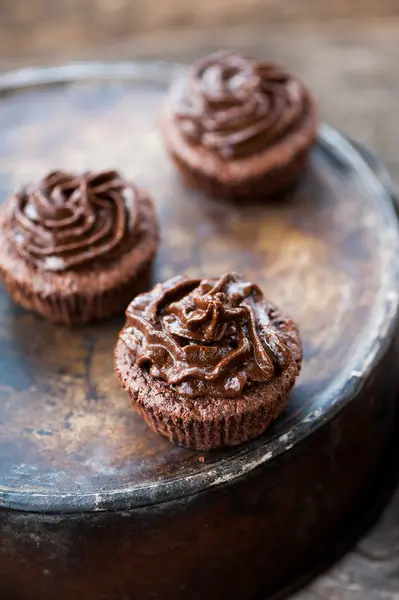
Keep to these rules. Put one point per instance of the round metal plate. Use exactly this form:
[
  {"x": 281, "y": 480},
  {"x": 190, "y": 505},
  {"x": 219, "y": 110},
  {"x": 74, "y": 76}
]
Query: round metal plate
[{"x": 69, "y": 440}]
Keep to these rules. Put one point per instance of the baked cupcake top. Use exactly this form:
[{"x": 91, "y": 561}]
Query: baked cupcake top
[
  {"x": 236, "y": 106},
  {"x": 210, "y": 337},
  {"x": 69, "y": 221}
]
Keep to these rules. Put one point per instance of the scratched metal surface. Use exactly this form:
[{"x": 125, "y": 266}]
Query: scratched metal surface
[{"x": 68, "y": 437}]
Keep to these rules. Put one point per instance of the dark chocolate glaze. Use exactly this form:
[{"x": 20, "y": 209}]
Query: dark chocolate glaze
[
  {"x": 237, "y": 106},
  {"x": 70, "y": 220},
  {"x": 206, "y": 338}
]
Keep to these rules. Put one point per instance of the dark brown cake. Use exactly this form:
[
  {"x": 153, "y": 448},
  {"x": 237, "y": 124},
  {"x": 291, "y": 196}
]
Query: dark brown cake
[
  {"x": 239, "y": 128},
  {"x": 208, "y": 363},
  {"x": 76, "y": 248}
]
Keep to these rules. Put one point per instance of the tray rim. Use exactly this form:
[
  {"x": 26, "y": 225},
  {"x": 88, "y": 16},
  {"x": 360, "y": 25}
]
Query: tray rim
[{"x": 148, "y": 494}]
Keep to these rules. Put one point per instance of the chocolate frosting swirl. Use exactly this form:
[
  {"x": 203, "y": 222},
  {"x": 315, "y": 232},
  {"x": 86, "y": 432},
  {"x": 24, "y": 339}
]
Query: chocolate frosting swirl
[
  {"x": 236, "y": 106},
  {"x": 206, "y": 338},
  {"x": 68, "y": 221}
]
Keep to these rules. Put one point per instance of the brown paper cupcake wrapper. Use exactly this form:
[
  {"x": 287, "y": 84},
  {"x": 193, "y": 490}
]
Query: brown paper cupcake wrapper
[
  {"x": 79, "y": 308},
  {"x": 222, "y": 431},
  {"x": 274, "y": 182}
]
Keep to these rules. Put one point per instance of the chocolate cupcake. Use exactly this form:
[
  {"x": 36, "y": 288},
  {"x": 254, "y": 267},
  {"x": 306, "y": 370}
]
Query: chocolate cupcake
[
  {"x": 76, "y": 248},
  {"x": 239, "y": 128},
  {"x": 208, "y": 363}
]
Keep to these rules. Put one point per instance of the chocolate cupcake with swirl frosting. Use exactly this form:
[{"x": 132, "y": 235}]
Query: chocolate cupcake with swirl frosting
[
  {"x": 76, "y": 247},
  {"x": 239, "y": 128},
  {"x": 208, "y": 363}
]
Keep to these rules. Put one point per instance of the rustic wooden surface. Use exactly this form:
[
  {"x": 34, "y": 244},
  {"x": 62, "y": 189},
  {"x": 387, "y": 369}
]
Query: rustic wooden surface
[
  {"x": 353, "y": 71},
  {"x": 47, "y": 26}
]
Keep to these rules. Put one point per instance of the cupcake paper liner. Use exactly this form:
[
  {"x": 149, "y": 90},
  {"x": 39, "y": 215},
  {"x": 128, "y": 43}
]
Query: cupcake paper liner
[{"x": 80, "y": 308}]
